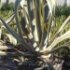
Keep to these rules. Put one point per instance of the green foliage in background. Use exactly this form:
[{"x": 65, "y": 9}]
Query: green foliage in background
[
  {"x": 62, "y": 10},
  {"x": 6, "y": 13},
  {"x": 9, "y": 6}
]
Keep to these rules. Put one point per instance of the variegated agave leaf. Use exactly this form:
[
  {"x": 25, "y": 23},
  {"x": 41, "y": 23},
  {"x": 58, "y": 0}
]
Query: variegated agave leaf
[{"x": 12, "y": 40}]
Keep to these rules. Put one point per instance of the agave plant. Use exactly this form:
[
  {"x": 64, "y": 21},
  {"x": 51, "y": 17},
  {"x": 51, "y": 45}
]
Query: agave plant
[{"x": 36, "y": 29}]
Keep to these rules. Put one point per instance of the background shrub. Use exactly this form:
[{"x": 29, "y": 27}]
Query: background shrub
[
  {"x": 62, "y": 10},
  {"x": 7, "y": 7}
]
